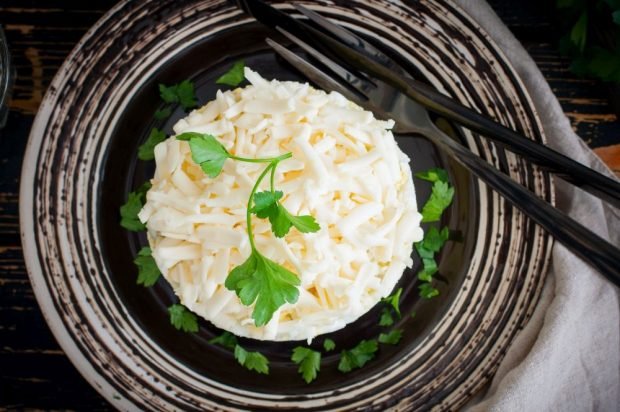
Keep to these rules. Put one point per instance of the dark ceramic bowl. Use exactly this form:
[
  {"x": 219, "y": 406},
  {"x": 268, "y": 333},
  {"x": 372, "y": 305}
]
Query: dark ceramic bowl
[{"x": 100, "y": 108}]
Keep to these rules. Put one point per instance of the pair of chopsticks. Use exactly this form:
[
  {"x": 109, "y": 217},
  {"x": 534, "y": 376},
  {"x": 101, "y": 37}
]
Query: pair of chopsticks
[{"x": 388, "y": 74}]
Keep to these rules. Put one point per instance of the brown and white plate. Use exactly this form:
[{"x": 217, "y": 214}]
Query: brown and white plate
[{"x": 81, "y": 163}]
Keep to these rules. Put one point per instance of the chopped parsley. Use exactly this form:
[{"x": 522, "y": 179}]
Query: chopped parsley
[
  {"x": 428, "y": 291},
  {"x": 434, "y": 239},
  {"x": 182, "y": 93},
  {"x": 394, "y": 300},
  {"x": 254, "y": 361},
  {"x": 358, "y": 356},
  {"x": 329, "y": 345},
  {"x": 309, "y": 362},
  {"x": 392, "y": 337},
  {"x": 441, "y": 197},
  {"x": 129, "y": 211},
  {"x": 182, "y": 319},
  {"x": 226, "y": 339},
  {"x": 234, "y": 76},
  {"x": 163, "y": 113},
  {"x": 145, "y": 151},
  {"x": 433, "y": 175},
  {"x": 386, "y": 317},
  {"x": 148, "y": 272}
]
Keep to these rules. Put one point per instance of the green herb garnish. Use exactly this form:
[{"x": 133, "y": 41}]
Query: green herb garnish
[
  {"x": 433, "y": 175},
  {"x": 267, "y": 205},
  {"x": 163, "y": 113},
  {"x": 386, "y": 317},
  {"x": 234, "y": 76},
  {"x": 441, "y": 197},
  {"x": 206, "y": 152},
  {"x": 329, "y": 345},
  {"x": 182, "y": 93},
  {"x": 392, "y": 337},
  {"x": 394, "y": 300},
  {"x": 428, "y": 291},
  {"x": 145, "y": 151},
  {"x": 358, "y": 356},
  {"x": 182, "y": 319},
  {"x": 258, "y": 280},
  {"x": 148, "y": 272},
  {"x": 129, "y": 211},
  {"x": 309, "y": 362},
  {"x": 254, "y": 361},
  {"x": 226, "y": 339}
]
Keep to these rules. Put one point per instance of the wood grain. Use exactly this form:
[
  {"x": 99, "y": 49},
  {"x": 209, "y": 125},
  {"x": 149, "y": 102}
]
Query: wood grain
[{"x": 34, "y": 372}]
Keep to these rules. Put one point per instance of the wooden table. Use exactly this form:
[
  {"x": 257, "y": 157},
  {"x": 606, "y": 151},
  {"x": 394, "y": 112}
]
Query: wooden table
[{"x": 34, "y": 372}]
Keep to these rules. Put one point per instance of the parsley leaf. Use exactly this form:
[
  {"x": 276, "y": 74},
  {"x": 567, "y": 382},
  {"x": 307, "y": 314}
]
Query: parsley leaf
[
  {"x": 357, "y": 356},
  {"x": 441, "y": 197},
  {"x": 186, "y": 94},
  {"x": 145, "y": 151},
  {"x": 168, "y": 93},
  {"x": 579, "y": 33},
  {"x": 433, "y": 175},
  {"x": 182, "y": 319},
  {"x": 182, "y": 93},
  {"x": 266, "y": 203},
  {"x": 392, "y": 337},
  {"x": 148, "y": 272},
  {"x": 427, "y": 291},
  {"x": 207, "y": 152},
  {"x": 386, "y": 318},
  {"x": 263, "y": 281},
  {"x": 234, "y": 75},
  {"x": 163, "y": 113},
  {"x": 394, "y": 300},
  {"x": 434, "y": 239},
  {"x": 309, "y": 362},
  {"x": 305, "y": 223},
  {"x": 226, "y": 339},
  {"x": 129, "y": 211},
  {"x": 329, "y": 345},
  {"x": 254, "y": 361}
]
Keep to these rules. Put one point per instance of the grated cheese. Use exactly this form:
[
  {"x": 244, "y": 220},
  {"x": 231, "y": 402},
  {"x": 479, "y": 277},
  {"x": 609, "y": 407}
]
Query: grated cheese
[{"x": 347, "y": 171}]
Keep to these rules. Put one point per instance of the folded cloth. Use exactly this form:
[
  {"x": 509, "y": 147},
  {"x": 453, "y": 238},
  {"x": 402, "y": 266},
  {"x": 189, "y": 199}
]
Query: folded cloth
[{"x": 567, "y": 358}]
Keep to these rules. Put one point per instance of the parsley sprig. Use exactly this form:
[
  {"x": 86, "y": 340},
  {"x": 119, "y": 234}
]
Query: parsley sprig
[
  {"x": 441, "y": 197},
  {"x": 148, "y": 272},
  {"x": 234, "y": 76},
  {"x": 259, "y": 280},
  {"x": 129, "y": 211},
  {"x": 309, "y": 362},
  {"x": 182, "y": 319},
  {"x": 255, "y": 361}
]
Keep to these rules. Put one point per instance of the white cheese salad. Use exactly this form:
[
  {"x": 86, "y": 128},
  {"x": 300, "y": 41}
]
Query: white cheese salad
[{"x": 346, "y": 171}]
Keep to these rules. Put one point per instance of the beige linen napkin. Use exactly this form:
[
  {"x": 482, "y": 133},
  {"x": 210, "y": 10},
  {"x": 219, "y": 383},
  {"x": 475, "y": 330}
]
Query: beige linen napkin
[{"x": 568, "y": 356}]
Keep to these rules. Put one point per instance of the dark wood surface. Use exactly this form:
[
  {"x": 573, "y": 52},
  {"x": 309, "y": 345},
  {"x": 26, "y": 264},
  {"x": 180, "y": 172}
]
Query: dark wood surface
[{"x": 34, "y": 371}]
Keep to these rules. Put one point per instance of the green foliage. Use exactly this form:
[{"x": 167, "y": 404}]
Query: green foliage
[
  {"x": 254, "y": 361},
  {"x": 592, "y": 38},
  {"x": 182, "y": 319},
  {"x": 129, "y": 211},
  {"x": 148, "y": 272},
  {"x": 309, "y": 362},
  {"x": 234, "y": 76},
  {"x": 358, "y": 356}
]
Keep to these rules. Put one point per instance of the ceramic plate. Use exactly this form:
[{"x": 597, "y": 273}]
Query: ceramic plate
[{"x": 81, "y": 163}]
